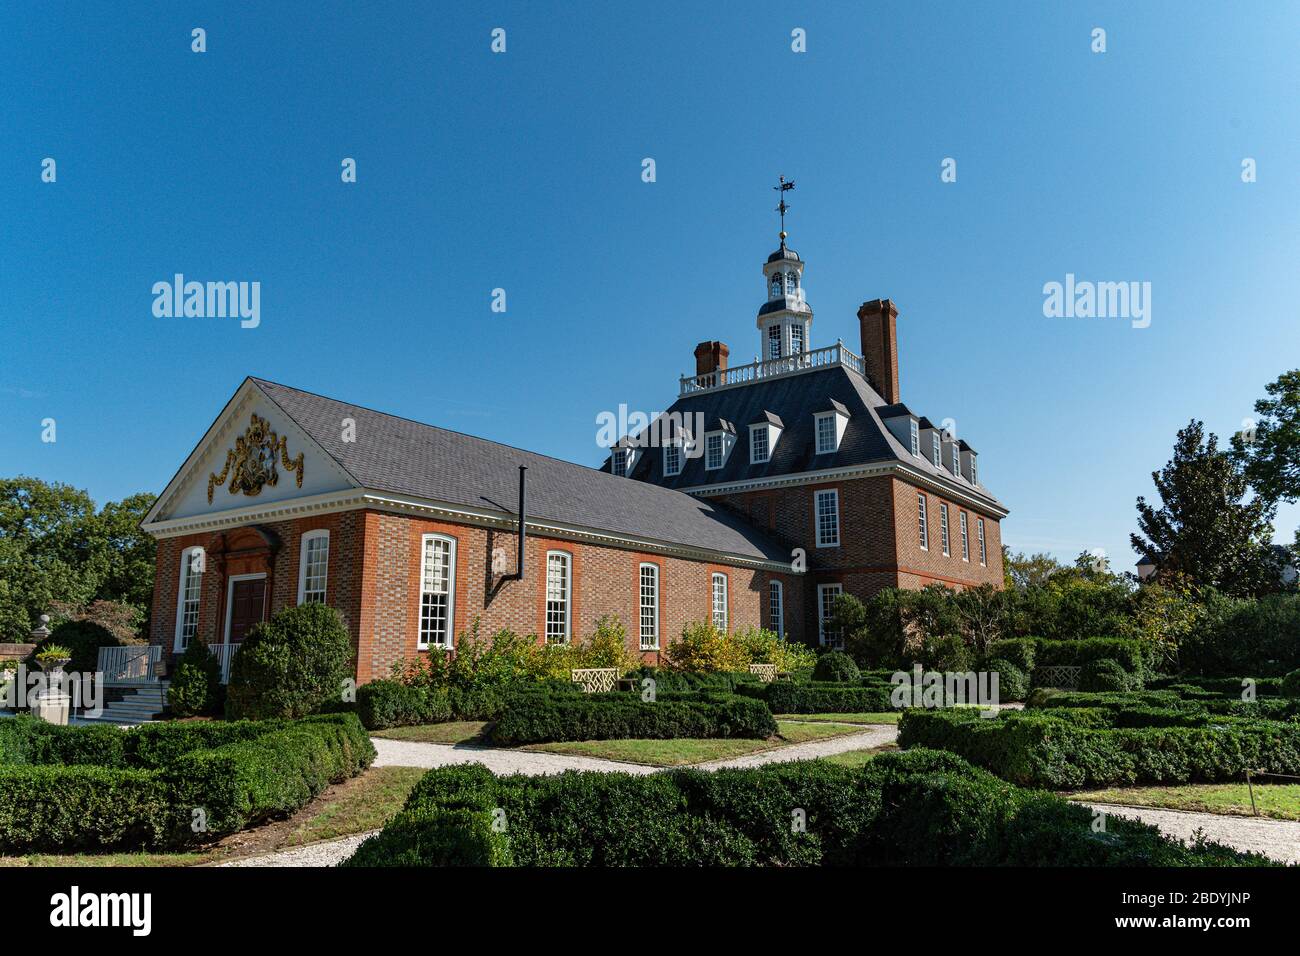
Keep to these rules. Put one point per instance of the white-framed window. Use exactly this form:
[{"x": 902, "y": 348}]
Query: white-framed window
[
  {"x": 827, "y": 506},
  {"x": 965, "y": 539},
  {"x": 943, "y": 528},
  {"x": 720, "y": 601},
  {"x": 796, "y": 339},
  {"x": 791, "y": 282},
  {"x": 776, "y": 285},
  {"x": 936, "y": 449},
  {"x": 956, "y": 460},
  {"x": 916, "y": 438},
  {"x": 758, "y": 449},
  {"x": 713, "y": 452},
  {"x": 313, "y": 567},
  {"x": 437, "y": 591},
  {"x": 649, "y": 587},
  {"x": 618, "y": 462},
  {"x": 826, "y": 595},
  {"x": 973, "y": 479},
  {"x": 188, "y": 592},
  {"x": 979, "y": 532},
  {"x": 672, "y": 460},
  {"x": 559, "y": 588},
  {"x": 920, "y": 517},
  {"x": 825, "y": 432},
  {"x": 774, "y": 341},
  {"x": 776, "y": 608}
]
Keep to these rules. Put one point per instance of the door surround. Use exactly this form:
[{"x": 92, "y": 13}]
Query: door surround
[{"x": 230, "y": 596}]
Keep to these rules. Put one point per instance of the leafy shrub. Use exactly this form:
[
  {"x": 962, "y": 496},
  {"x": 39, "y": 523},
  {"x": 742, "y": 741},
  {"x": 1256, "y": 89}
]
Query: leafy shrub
[
  {"x": 1020, "y": 651},
  {"x": 1245, "y": 637},
  {"x": 1133, "y": 655},
  {"x": 669, "y": 680},
  {"x": 542, "y": 718},
  {"x": 835, "y": 666},
  {"x": 1105, "y": 674},
  {"x": 82, "y": 639},
  {"x": 1013, "y": 683},
  {"x": 948, "y": 652},
  {"x": 767, "y": 647},
  {"x": 702, "y": 647},
  {"x": 195, "y": 687},
  {"x": 916, "y": 808},
  {"x": 70, "y": 808},
  {"x": 1291, "y": 684},
  {"x": 290, "y": 665}
]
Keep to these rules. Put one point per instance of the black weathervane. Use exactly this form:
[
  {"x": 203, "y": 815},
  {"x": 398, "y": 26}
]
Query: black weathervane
[{"x": 783, "y": 187}]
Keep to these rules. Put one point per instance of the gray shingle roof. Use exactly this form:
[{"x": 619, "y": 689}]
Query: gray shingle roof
[
  {"x": 796, "y": 399},
  {"x": 401, "y": 456}
]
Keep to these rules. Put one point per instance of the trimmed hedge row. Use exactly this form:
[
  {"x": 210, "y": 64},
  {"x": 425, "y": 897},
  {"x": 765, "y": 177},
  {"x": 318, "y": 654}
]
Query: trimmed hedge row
[
  {"x": 1042, "y": 749},
  {"x": 389, "y": 703},
  {"x": 788, "y": 697},
  {"x": 543, "y": 718},
  {"x": 160, "y": 791},
  {"x": 916, "y": 808}
]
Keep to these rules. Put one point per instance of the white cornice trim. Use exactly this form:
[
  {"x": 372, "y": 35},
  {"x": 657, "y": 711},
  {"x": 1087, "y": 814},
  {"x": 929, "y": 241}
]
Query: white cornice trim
[
  {"x": 351, "y": 499},
  {"x": 869, "y": 470}
]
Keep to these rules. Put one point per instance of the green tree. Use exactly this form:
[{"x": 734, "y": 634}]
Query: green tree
[
  {"x": 1023, "y": 570},
  {"x": 1205, "y": 530},
  {"x": 1271, "y": 454}
]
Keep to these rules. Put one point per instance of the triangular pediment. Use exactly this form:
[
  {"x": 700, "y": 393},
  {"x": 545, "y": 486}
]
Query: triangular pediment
[{"x": 253, "y": 455}]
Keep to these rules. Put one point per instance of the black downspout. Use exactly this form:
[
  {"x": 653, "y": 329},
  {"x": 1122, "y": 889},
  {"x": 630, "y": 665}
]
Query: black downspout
[{"x": 523, "y": 531}]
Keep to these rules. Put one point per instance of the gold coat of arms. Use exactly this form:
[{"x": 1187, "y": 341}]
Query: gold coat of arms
[{"x": 251, "y": 464}]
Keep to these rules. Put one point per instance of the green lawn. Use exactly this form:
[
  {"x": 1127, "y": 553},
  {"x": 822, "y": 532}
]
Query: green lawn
[
  {"x": 858, "y": 758},
  {"x": 1281, "y": 801},
  {"x": 678, "y": 753},
  {"x": 888, "y": 717},
  {"x": 452, "y": 732}
]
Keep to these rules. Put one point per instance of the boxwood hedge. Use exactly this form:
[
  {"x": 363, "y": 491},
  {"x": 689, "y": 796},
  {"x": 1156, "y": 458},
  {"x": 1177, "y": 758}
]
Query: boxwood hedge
[
  {"x": 172, "y": 784},
  {"x": 916, "y": 808},
  {"x": 821, "y": 697},
  {"x": 539, "y": 718}
]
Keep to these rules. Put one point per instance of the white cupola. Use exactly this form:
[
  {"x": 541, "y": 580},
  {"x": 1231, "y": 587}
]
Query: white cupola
[{"x": 784, "y": 320}]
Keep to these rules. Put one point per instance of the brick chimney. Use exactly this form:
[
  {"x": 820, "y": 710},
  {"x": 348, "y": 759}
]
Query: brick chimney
[
  {"x": 711, "y": 357},
  {"x": 880, "y": 346}
]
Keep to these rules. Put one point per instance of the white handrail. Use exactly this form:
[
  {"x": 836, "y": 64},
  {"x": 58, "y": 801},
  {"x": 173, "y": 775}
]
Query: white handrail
[{"x": 835, "y": 354}]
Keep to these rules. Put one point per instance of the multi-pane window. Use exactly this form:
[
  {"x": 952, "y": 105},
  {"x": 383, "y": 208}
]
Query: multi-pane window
[
  {"x": 943, "y": 528},
  {"x": 672, "y": 460},
  {"x": 776, "y": 285},
  {"x": 826, "y": 595},
  {"x": 916, "y": 438},
  {"x": 618, "y": 462},
  {"x": 825, "y": 433},
  {"x": 791, "y": 282},
  {"x": 315, "y": 567},
  {"x": 437, "y": 591},
  {"x": 935, "y": 450},
  {"x": 796, "y": 339},
  {"x": 712, "y": 451},
  {"x": 828, "y": 518},
  {"x": 956, "y": 460},
  {"x": 920, "y": 517},
  {"x": 973, "y": 479},
  {"x": 649, "y": 607},
  {"x": 774, "y": 341},
  {"x": 557, "y": 597},
  {"x": 720, "y": 601},
  {"x": 191, "y": 586},
  {"x": 965, "y": 539},
  {"x": 758, "y": 450},
  {"x": 776, "y": 608},
  {"x": 979, "y": 531}
]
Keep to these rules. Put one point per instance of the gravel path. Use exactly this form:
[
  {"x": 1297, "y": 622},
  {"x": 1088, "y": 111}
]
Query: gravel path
[
  {"x": 325, "y": 853},
  {"x": 1277, "y": 839},
  {"x": 876, "y": 736},
  {"x": 409, "y": 753}
]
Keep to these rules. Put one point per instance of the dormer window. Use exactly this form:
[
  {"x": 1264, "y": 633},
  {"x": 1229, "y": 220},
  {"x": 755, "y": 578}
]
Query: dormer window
[
  {"x": 713, "y": 457},
  {"x": 973, "y": 479},
  {"x": 916, "y": 438},
  {"x": 759, "y": 453},
  {"x": 672, "y": 460},
  {"x": 956, "y": 460},
  {"x": 718, "y": 442},
  {"x": 829, "y": 428},
  {"x": 618, "y": 462},
  {"x": 936, "y": 452}
]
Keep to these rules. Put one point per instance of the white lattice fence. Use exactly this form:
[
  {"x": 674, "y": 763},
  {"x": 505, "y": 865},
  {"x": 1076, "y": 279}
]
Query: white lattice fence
[
  {"x": 595, "y": 680},
  {"x": 766, "y": 672},
  {"x": 1064, "y": 676}
]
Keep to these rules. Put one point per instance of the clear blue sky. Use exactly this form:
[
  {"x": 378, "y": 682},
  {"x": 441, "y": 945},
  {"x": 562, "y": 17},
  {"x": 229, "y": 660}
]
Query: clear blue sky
[{"x": 523, "y": 171}]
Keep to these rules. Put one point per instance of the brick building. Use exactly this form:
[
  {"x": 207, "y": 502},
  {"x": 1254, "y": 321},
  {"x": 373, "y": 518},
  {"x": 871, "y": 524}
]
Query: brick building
[{"x": 763, "y": 492}]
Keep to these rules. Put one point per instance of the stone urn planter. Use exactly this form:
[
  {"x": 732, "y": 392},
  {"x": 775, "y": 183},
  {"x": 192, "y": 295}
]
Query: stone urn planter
[{"x": 52, "y": 704}]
